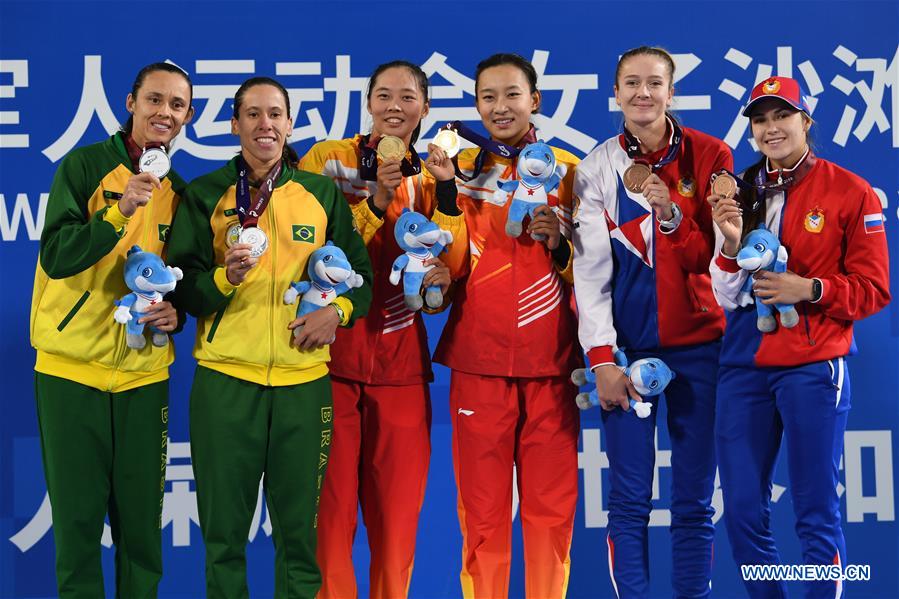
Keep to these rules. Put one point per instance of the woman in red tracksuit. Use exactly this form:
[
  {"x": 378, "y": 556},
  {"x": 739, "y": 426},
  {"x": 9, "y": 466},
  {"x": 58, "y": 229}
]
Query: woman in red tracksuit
[
  {"x": 380, "y": 368},
  {"x": 510, "y": 342},
  {"x": 793, "y": 382}
]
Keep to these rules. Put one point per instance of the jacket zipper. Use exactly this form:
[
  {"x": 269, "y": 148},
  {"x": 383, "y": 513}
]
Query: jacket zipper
[
  {"x": 808, "y": 330},
  {"x": 271, "y": 302},
  {"x": 123, "y": 345}
]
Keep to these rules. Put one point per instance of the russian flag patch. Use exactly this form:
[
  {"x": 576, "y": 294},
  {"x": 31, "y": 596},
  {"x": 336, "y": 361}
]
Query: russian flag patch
[{"x": 874, "y": 223}]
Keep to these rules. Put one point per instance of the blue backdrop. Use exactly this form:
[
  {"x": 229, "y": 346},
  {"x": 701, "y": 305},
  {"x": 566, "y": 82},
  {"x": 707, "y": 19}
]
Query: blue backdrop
[{"x": 66, "y": 67}]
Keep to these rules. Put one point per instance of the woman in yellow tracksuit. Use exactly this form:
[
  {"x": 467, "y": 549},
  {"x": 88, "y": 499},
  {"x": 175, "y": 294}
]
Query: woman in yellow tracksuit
[
  {"x": 261, "y": 398},
  {"x": 102, "y": 406}
]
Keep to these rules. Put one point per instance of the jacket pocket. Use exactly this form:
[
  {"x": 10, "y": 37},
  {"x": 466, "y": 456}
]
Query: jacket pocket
[
  {"x": 78, "y": 305},
  {"x": 215, "y": 323}
]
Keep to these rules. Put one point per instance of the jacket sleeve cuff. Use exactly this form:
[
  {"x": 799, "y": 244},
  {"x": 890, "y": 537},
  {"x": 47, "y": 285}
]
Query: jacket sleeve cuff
[
  {"x": 563, "y": 260},
  {"x": 727, "y": 263},
  {"x": 347, "y": 306},
  {"x": 115, "y": 218},
  {"x": 367, "y": 222},
  {"x": 446, "y": 197},
  {"x": 221, "y": 281},
  {"x": 599, "y": 356}
]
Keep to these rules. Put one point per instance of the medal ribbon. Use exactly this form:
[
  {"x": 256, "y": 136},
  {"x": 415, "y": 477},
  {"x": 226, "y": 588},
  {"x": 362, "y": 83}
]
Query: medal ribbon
[
  {"x": 632, "y": 145},
  {"x": 761, "y": 185},
  {"x": 487, "y": 145},
  {"x": 368, "y": 160},
  {"x": 249, "y": 214}
]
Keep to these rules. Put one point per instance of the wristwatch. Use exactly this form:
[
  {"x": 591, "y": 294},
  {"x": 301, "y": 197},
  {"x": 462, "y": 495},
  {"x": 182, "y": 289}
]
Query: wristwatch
[
  {"x": 340, "y": 313},
  {"x": 674, "y": 221},
  {"x": 817, "y": 290}
]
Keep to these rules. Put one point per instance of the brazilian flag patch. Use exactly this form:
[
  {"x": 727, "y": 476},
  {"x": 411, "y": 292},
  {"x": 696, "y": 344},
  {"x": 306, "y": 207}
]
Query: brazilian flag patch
[
  {"x": 164, "y": 232},
  {"x": 304, "y": 233},
  {"x": 230, "y": 211}
]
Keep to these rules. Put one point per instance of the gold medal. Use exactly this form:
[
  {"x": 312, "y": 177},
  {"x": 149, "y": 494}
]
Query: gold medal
[
  {"x": 724, "y": 185},
  {"x": 391, "y": 148},
  {"x": 635, "y": 175},
  {"x": 448, "y": 141}
]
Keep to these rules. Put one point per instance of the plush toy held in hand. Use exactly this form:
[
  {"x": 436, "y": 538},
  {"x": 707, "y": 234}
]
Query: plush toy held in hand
[
  {"x": 422, "y": 240},
  {"x": 536, "y": 179},
  {"x": 330, "y": 275},
  {"x": 649, "y": 376},
  {"x": 148, "y": 278},
  {"x": 761, "y": 250}
]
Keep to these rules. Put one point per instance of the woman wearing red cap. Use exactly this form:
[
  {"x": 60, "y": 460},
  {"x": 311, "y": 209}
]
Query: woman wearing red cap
[{"x": 791, "y": 381}]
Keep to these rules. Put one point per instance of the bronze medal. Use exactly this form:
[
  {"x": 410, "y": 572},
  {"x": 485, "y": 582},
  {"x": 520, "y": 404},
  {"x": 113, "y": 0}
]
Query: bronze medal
[
  {"x": 391, "y": 148},
  {"x": 724, "y": 185},
  {"x": 635, "y": 175}
]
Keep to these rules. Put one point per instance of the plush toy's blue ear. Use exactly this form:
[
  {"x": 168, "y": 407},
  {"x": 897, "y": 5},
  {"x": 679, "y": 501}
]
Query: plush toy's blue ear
[
  {"x": 762, "y": 227},
  {"x": 329, "y": 242},
  {"x": 405, "y": 210},
  {"x": 134, "y": 248}
]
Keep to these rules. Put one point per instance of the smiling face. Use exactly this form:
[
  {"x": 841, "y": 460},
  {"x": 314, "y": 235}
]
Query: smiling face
[
  {"x": 263, "y": 124},
  {"x": 505, "y": 102},
  {"x": 780, "y": 132},
  {"x": 644, "y": 89},
  {"x": 396, "y": 103},
  {"x": 160, "y": 109}
]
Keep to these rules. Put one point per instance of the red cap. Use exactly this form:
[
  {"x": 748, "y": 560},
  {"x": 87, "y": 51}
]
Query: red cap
[{"x": 783, "y": 88}]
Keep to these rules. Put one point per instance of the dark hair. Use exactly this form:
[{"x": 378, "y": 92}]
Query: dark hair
[
  {"x": 421, "y": 79},
  {"x": 648, "y": 51},
  {"x": 139, "y": 82},
  {"x": 521, "y": 63},
  {"x": 288, "y": 152},
  {"x": 747, "y": 197}
]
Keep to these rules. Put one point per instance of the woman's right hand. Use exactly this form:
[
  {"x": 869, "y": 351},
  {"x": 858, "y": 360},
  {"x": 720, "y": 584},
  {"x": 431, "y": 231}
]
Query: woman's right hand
[
  {"x": 389, "y": 178},
  {"x": 613, "y": 388},
  {"x": 728, "y": 215},
  {"x": 238, "y": 262},
  {"x": 137, "y": 193}
]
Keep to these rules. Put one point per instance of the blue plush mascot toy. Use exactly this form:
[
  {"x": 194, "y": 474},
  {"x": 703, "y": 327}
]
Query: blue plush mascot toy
[
  {"x": 421, "y": 240},
  {"x": 536, "y": 179},
  {"x": 761, "y": 250},
  {"x": 148, "y": 278},
  {"x": 650, "y": 376},
  {"x": 330, "y": 275}
]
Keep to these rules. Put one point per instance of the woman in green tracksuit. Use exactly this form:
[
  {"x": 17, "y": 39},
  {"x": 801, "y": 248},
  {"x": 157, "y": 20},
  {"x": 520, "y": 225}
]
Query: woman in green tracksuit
[
  {"x": 102, "y": 406},
  {"x": 261, "y": 397}
]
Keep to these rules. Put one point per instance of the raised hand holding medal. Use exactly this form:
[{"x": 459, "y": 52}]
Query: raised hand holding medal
[{"x": 249, "y": 211}]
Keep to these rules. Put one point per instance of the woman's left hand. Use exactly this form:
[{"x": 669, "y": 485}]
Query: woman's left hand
[
  {"x": 163, "y": 316},
  {"x": 781, "y": 287},
  {"x": 546, "y": 222},
  {"x": 439, "y": 275},
  {"x": 318, "y": 328},
  {"x": 439, "y": 165},
  {"x": 656, "y": 193}
]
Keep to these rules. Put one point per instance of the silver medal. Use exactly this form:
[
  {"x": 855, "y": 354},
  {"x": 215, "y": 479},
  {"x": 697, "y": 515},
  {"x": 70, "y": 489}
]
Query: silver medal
[
  {"x": 256, "y": 238},
  {"x": 156, "y": 161}
]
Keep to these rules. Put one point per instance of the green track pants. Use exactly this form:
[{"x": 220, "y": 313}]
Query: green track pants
[
  {"x": 240, "y": 431},
  {"x": 104, "y": 453}
]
